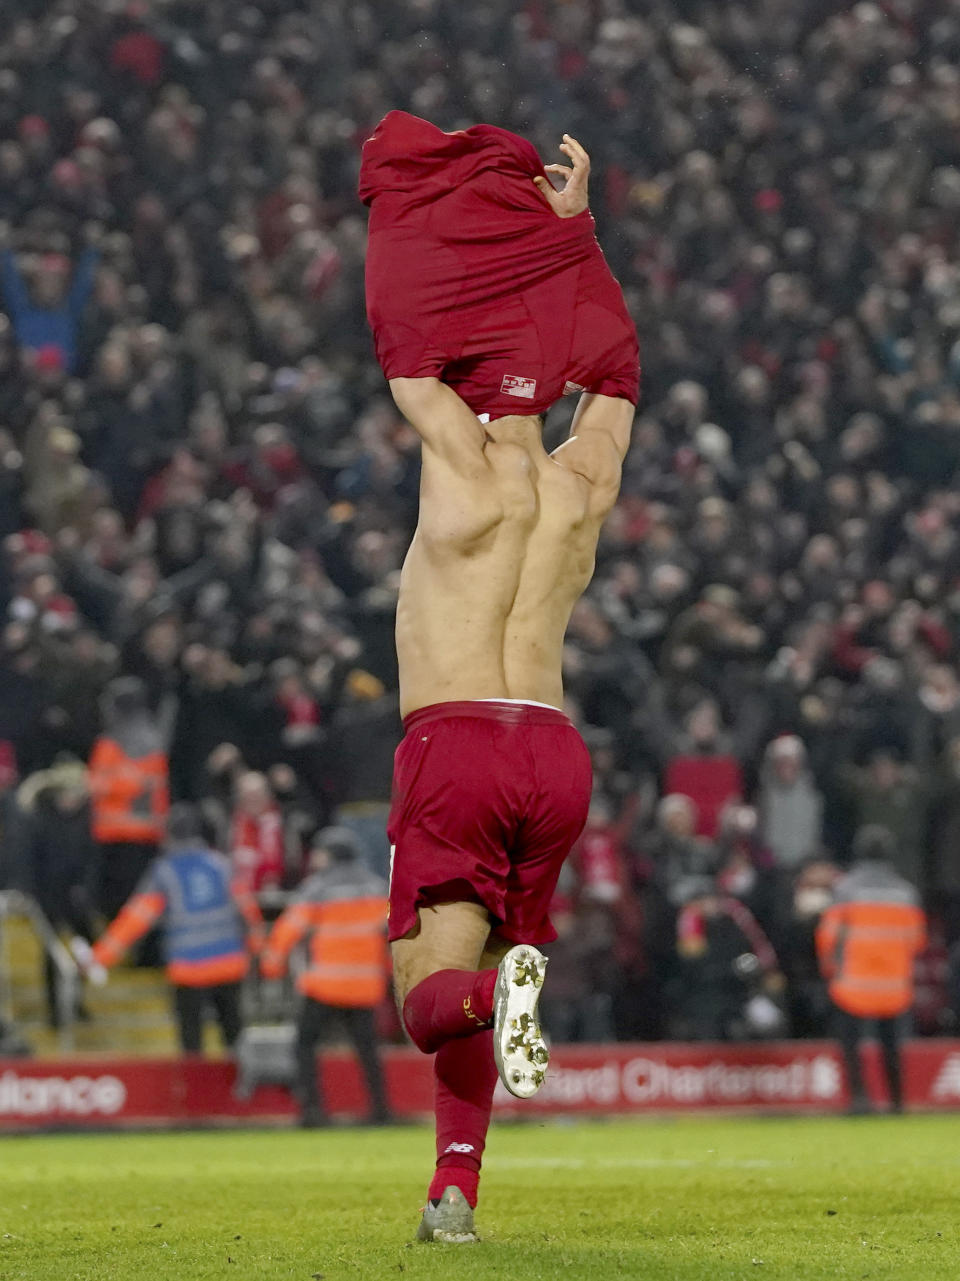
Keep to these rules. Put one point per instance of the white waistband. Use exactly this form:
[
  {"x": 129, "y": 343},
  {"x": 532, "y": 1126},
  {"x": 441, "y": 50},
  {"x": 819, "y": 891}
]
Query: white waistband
[{"x": 521, "y": 702}]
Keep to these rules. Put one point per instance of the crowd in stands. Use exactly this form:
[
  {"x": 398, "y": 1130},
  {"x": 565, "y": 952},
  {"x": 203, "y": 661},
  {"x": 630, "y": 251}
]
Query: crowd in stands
[{"x": 206, "y": 493}]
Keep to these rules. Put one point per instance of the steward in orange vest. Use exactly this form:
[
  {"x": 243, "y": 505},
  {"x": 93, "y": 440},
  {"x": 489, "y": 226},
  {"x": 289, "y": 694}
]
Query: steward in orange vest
[
  {"x": 867, "y": 942},
  {"x": 342, "y": 909},
  {"x": 129, "y": 791}
]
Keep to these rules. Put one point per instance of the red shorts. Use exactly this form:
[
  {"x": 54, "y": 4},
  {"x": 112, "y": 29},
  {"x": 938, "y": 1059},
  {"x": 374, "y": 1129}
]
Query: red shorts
[{"x": 488, "y": 799}]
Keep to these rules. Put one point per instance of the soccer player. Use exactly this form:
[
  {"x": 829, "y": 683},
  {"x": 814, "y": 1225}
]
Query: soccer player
[{"x": 492, "y": 781}]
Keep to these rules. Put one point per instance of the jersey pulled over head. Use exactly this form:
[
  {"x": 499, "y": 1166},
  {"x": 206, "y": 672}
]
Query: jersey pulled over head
[{"x": 471, "y": 278}]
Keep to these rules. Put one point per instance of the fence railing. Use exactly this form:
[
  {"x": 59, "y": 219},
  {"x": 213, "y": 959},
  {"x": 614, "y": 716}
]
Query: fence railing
[{"x": 14, "y": 903}]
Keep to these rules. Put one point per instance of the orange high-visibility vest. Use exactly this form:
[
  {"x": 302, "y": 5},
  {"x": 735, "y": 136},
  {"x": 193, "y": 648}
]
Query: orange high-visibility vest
[
  {"x": 129, "y": 795},
  {"x": 866, "y": 951},
  {"x": 348, "y": 949}
]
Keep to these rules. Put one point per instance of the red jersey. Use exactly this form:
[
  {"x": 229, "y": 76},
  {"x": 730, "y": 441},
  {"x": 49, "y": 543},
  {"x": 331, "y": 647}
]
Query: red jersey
[
  {"x": 257, "y": 848},
  {"x": 472, "y": 278}
]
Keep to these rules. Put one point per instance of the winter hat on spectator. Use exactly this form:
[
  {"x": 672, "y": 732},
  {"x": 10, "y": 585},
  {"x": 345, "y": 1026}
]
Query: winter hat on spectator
[
  {"x": 339, "y": 842},
  {"x": 786, "y": 745},
  {"x": 184, "y": 823},
  {"x": 874, "y": 842}
]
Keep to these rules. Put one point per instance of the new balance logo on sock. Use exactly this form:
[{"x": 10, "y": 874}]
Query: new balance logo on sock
[{"x": 458, "y": 1147}]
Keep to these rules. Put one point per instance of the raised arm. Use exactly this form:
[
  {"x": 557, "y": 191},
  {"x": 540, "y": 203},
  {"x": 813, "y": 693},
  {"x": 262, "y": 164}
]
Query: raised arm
[
  {"x": 142, "y": 910},
  {"x": 448, "y": 427},
  {"x": 597, "y": 445}
]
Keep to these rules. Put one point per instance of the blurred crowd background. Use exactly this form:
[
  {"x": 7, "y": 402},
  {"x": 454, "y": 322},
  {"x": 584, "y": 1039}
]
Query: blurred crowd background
[{"x": 206, "y": 493}]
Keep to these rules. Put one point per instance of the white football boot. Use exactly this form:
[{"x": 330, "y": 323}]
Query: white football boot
[{"x": 518, "y": 1045}]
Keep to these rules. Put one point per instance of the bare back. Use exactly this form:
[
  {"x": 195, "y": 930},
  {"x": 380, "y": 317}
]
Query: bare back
[{"x": 504, "y": 547}]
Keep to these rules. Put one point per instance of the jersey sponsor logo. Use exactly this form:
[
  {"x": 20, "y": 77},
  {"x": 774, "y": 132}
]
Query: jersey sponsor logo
[
  {"x": 513, "y": 385},
  {"x": 571, "y": 389},
  {"x": 458, "y": 1147},
  {"x": 947, "y": 1084}
]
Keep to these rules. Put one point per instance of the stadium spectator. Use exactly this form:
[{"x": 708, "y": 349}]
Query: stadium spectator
[
  {"x": 745, "y": 868},
  {"x": 128, "y": 772},
  {"x": 209, "y": 924},
  {"x": 867, "y": 942},
  {"x": 945, "y": 842},
  {"x": 58, "y": 858},
  {"x": 257, "y": 838},
  {"x": 677, "y": 854},
  {"x": 364, "y": 735},
  {"x": 889, "y": 793},
  {"x": 811, "y": 893},
  {"x": 789, "y": 803},
  {"x": 342, "y": 909},
  {"x": 704, "y": 769},
  {"x": 721, "y": 948},
  {"x": 46, "y": 310}
]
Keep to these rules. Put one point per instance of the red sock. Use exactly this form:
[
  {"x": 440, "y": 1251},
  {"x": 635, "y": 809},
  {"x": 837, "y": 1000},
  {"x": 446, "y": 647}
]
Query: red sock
[
  {"x": 449, "y": 1003},
  {"x": 465, "y": 1075}
]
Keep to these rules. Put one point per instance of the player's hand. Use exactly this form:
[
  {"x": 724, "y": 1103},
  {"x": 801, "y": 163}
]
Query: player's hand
[{"x": 572, "y": 199}]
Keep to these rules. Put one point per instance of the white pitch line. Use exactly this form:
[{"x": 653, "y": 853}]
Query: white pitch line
[{"x": 628, "y": 1163}]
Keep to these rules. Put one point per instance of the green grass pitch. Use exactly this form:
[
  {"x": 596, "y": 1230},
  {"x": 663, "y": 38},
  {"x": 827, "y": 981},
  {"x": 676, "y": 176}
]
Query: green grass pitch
[{"x": 796, "y": 1200}]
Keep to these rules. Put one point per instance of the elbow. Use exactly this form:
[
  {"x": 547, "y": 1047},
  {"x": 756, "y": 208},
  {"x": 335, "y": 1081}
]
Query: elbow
[{"x": 414, "y": 397}]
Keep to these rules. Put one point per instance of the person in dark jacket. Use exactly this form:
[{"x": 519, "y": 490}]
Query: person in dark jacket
[
  {"x": 364, "y": 737},
  {"x": 59, "y": 858},
  {"x": 722, "y": 950}
]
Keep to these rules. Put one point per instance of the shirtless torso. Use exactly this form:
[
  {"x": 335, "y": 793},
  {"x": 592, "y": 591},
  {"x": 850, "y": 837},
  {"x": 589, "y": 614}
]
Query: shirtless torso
[{"x": 504, "y": 547}]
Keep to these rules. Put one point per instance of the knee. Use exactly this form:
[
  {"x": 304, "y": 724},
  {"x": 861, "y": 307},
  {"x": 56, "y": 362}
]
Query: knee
[{"x": 418, "y": 1019}]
